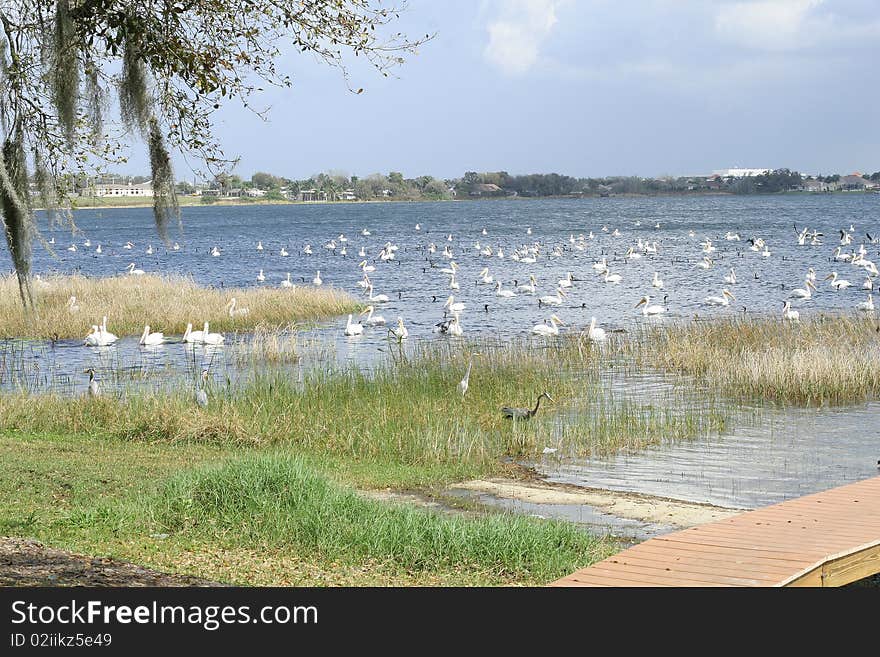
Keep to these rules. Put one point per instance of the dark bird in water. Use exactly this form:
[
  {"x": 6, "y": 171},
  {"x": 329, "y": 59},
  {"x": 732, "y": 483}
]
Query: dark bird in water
[
  {"x": 524, "y": 413},
  {"x": 486, "y": 307},
  {"x": 201, "y": 393}
]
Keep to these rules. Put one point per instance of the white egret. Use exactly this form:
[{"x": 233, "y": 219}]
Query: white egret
[
  {"x": 234, "y": 311},
  {"x": 867, "y": 306}
]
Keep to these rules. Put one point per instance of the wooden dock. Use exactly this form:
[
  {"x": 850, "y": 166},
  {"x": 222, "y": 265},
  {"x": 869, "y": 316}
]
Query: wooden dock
[{"x": 830, "y": 538}]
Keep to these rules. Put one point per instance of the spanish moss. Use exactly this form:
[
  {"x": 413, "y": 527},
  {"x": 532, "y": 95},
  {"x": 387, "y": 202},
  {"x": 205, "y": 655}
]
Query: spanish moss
[
  {"x": 16, "y": 213},
  {"x": 164, "y": 196},
  {"x": 95, "y": 99},
  {"x": 134, "y": 97},
  {"x": 65, "y": 70}
]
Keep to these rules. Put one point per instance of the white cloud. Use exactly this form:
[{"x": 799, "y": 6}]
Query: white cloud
[
  {"x": 769, "y": 24},
  {"x": 516, "y": 32}
]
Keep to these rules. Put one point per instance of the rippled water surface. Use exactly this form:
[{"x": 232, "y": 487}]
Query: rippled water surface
[{"x": 788, "y": 453}]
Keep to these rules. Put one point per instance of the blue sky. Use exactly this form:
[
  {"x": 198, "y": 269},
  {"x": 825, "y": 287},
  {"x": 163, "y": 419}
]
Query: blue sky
[{"x": 585, "y": 88}]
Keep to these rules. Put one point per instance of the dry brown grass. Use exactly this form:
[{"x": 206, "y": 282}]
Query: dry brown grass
[{"x": 166, "y": 303}]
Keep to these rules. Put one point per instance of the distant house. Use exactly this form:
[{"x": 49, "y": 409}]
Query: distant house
[
  {"x": 255, "y": 193},
  {"x": 311, "y": 195},
  {"x": 812, "y": 185},
  {"x": 346, "y": 195},
  {"x": 739, "y": 172},
  {"x": 486, "y": 189},
  {"x": 855, "y": 183},
  {"x": 124, "y": 190}
]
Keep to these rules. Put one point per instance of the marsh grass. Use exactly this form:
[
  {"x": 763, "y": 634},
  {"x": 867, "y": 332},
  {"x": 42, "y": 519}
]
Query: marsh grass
[
  {"x": 166, "y": 303},
  {"x": 276, "y": 501},
  {"x": 828, "y": 360},
  {"x": 268, "y": 345}
]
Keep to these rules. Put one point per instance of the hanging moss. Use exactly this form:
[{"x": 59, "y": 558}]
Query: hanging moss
[
  {"x": 94, "y": 97},
  {"x": 134, "y": 97},
  {"x": 164, "y": 197},
  {"x": 65, "y": 69},
  {"x": 16, "y": 212}
]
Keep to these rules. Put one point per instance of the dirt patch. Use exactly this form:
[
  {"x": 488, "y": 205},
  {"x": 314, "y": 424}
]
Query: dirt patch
[
  {"x": 24, "y": 562},
  {"x": 634, "y": 506}
]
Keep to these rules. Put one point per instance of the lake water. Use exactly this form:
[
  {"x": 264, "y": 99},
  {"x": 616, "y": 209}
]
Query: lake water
[{"x": 790, "y": 454}]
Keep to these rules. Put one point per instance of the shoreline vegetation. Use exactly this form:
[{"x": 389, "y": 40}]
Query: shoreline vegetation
[
  {"x": 261, "y": 485},
  {"x": 88, "y": 203},
  {"x": 166, "y": 303}
]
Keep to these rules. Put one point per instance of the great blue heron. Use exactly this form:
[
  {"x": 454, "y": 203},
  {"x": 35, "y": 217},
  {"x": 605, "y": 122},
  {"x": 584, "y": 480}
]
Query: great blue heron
[
  {"x": 94, "y": 391},
  {"x": 524, "y": 413},
  {"x": 201, "y": 394}
]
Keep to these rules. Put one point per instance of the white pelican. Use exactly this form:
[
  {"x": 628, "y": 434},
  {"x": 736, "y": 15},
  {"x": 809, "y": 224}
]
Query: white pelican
[
  {"x": 649, "y": 309},
  {"x": 418, "y": 226},
  {"x": 91, "y": 340},
  {"x": 98, "y": 249},
  {"x": 342, "y": 237},
  {"x": 150, "y": 250},
  {"x": 365, "y": 232},
  {"x": 723, "y": 300},
  {"x": 72, "y": 247},
  {"x": 657, "y": 282},
  {"x": 532, "y": 287},
  {"x": 453, "y": 305},
  {"x": 72, "y": 305},
  {"x": 149, "y": 339},
  {"x": 52, "y": 241},
  {"x": 261, "y": 276},
  {"x": 612, "y": 278},
  {"x": 214, "y": 251},
  {"x": 87, "y": 243},
  {"x": 453, "y": 284},
  {"x": 192, "y": 336},
  {"x": 371, "y": 320},
  {"x": 868, "y": 284},
  {"x": 379, "y": 298},
  {"x": 134, "y": 272},
  {"x": 594, "y": 333},
  {"x": 811, "y": 274},
  {"x": 548, "y": 329},
  {"x": 731, "y": 277},
  {"x": 451, "y": 269},
  {"x": 176, "y": 246},
  {"x": 803, "y": 292},
  {"x": 211, "y": 338},
  {"x": 317, "y": 279},
  {"x": 260, "y": 245},
  {"x": 837, "y": 283},
  {"x": 364, "y": 282},
  {"x": 705, "y": 263},
  {"x": 503, "y": 293},
  {"x": 788, "y": 313},
  {"x": 601, "y": 266},
  {"x": 307, "y": 249},
  {"x": 565, "y": 282},
  {"x": 399, "y": 331},
  {"x": 732, "y": 237},
  {"x": 454, "y": 327},
  {"x": 553, "y": 300},
  {"x": 236, "y": 312},
  {"x": 529, "y": 230},
  {"x": 283, "y": 252},
  {"x": 127, "y": 245},
  {"x": 867, "y": 306},
  {"x": 353, "y": 329},
  {"x": 485, "y": 277},
  {"x": 286, "y": 282},
  {"x": 365, "y": 267},
  {"x": 500, "y": 252}
]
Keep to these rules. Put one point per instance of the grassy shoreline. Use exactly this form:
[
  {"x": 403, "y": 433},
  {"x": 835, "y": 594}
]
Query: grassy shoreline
[
  {"x": 259, "y": 486},
  {"x": 166, "y": 303}
]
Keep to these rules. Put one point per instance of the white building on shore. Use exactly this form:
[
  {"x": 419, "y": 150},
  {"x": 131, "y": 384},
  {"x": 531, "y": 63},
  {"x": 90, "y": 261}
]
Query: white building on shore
[
  {"x": 739, "y": 173},
  {"x": 124, "y": 189}
]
